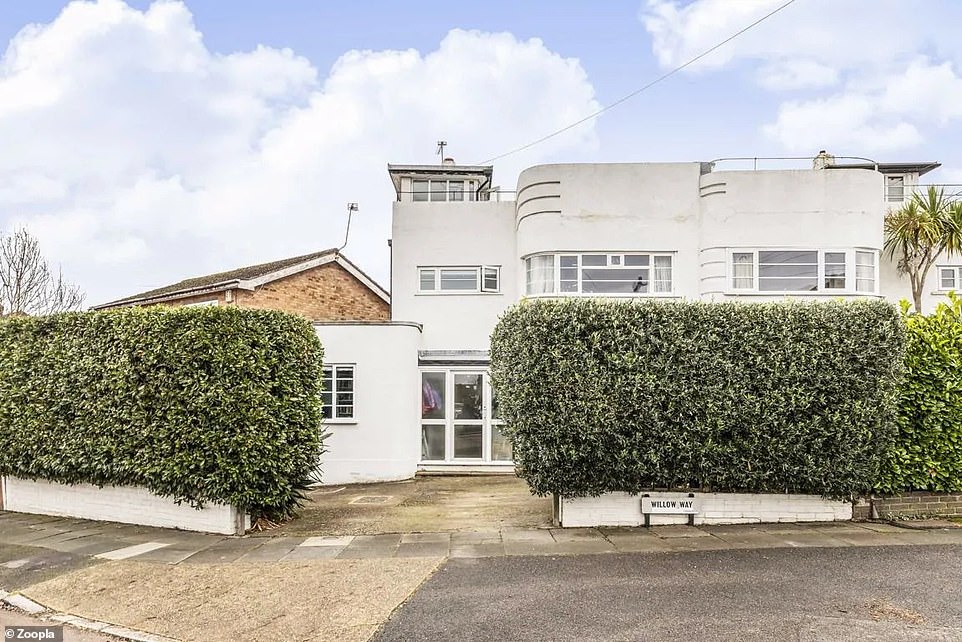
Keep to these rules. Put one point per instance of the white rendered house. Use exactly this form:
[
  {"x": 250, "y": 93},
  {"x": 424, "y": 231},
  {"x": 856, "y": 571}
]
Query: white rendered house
[{"x": 462, "y": 252}]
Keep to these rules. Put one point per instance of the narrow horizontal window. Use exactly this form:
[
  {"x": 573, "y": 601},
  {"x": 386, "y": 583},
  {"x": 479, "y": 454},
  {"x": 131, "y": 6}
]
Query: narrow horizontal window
[
  {"x": 600, "y": 274},
  {"x": 787, "y": 271},
  {"x": 459, "y": 280}
]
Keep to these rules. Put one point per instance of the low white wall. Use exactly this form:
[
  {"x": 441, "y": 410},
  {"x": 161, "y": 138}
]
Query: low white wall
[
  {"x": 622, "y": 509},
  {"x": 382, "y": 442},
  {"x": 125, "y": 504}
]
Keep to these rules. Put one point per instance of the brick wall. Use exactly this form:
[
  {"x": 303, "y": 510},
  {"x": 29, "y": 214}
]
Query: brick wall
[
  {"x": 914, "y": 504},
  {"x": 325, "y": 293},
  {"x": 125, "y": 504}
]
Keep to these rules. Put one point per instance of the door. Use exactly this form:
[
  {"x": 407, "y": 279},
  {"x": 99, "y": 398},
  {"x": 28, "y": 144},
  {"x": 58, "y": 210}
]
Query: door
[{"x": 459, "y": 418}]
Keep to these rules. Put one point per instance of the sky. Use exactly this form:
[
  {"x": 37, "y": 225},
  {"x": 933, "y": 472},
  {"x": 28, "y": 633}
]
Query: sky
[{"x": 147, "y": 142}]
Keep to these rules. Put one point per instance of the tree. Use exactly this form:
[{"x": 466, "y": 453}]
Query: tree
[
  {"x": 917, "y": 233},
  {"x": 27, "y": 283}
]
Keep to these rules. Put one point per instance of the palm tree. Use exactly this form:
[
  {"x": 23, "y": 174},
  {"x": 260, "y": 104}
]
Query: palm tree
[{"x": 927, "y": 226}]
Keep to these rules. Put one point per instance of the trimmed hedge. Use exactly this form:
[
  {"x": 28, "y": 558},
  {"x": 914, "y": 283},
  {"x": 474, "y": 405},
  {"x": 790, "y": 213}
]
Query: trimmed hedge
[
  {"x": 927, "y": 454},
  {"x": 773, "y": 397},
  {"x": 197, "y": 404}
]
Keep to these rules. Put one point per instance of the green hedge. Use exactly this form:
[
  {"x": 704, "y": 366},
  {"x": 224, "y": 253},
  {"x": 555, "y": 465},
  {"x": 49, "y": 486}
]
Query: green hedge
[
  {"x": 214, "y": 404},
  {"x": 615, "y": 396},
  {"x": 927, "y": 453}
]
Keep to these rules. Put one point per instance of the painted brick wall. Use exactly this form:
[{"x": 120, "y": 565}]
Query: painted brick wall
[
  {"x": 912, "y": 505},
  {"x": 622, "y": 509},
  {"x": 125, "y": 504},
  {"x": 325, "y": 293}
]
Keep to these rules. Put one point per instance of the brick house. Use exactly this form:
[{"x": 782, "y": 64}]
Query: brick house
[{"x": 323, "y": 286}]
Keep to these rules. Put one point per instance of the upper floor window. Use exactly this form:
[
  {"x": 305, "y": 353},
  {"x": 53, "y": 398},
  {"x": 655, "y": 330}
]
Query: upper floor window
[
  {"x": 443, "y": 190},
  {"x": 337, "y": 399},
  {"x": 785, "y": 271},
  {"x": 459, "y": 280},
  {"x": 950, "y": 277},
  {"x": 599, "y": 274},
  {"x": 894, "y": 189}
]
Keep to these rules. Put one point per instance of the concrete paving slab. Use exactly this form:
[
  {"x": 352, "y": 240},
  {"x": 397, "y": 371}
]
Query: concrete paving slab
[
  {"x": 809, "y": 539},
  {"x": 584, "y": 547},
  {"x": 697, "y": 543},
  {"x": 36, "y": 565},
  {"x": 172, "y": 554},
  {"x": 92, "y": 545},
  {"x": 330, "y": 540},
  {"x": 576, "y": 534},
  {"x": 225, "y": 552},
  {"x": 748, "y": 539},
  {"x": 376, "y": 540},
  {"x": 424, "y": 549},
  {"x": 879, "y": 527},
  {"x": 477, "y": 550},
  {"x": 302, "y": 553},
  {"x": 131, "y": 551},
  {"x": 421, "y": 538},
  {"x": 368, "y": 552},
  {"x": 476, "y": 537},
  {"x": 530, "y": 547},
  {"x": 678, "y": 530},
  {"x": 273, "y": 550},
  {"x": 527, "y": 535}
]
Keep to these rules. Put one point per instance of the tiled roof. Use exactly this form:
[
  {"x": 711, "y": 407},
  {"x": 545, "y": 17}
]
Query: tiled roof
[{"x": 212, "y": 280}]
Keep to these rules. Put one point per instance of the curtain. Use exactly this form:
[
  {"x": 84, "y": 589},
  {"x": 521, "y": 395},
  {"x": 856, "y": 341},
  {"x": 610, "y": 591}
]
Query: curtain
[
  {"x": 661, "y": 276},
  {"x": 743, "y": 270},
  {"x": 541, "y": 274}
]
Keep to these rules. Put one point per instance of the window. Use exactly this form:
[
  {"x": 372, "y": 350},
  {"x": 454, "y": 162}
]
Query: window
[
  {"x": 201, "y": 304},
  {"x": 437, "y": 190},
  {"x": 338, "y": 395},
  {"x": 865, "y": 271},
  {"x": 463, "y": 280},
  {"x": 950, "y": 276},
  {"x": 895, "y": 189},
  {"x": 599, "y": 274},
  {"x": 786, "y": 271}
]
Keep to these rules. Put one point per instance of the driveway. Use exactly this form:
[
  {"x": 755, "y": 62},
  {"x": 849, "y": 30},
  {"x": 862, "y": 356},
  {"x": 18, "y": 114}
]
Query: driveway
[{"x": 422, "y": 505}]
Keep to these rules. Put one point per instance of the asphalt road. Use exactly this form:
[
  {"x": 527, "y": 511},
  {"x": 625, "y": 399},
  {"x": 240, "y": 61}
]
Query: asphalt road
[{"x": 892, "y": 593}]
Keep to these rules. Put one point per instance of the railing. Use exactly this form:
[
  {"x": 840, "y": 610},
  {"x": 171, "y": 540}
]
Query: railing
[
  {"x": 784, "y": 162},
  {"x": 502, "y": 195}
]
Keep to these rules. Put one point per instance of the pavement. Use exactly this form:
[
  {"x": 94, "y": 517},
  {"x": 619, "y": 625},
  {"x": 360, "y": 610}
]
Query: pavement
[
  {"x": 15, "y": 620},
  {"x": 840, "y": 593}
]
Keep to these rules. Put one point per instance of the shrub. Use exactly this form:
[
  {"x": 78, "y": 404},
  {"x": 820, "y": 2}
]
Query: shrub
[
  {"x": 927, "y": 453},
  {"x": 197, "y": 404},
  {"x": 775, "y": 397}
]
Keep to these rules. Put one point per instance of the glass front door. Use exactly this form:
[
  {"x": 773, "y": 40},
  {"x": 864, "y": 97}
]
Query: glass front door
[{"x": 459, "y": 418}]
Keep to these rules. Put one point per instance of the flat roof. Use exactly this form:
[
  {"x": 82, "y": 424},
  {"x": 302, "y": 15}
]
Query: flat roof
[
  {"x": 397, "y": 171},
  {"x": 891, "y": 168}
]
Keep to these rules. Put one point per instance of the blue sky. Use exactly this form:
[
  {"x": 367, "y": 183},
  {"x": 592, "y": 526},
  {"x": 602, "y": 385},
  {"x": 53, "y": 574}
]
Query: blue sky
[{"x": 147, "y": 142}]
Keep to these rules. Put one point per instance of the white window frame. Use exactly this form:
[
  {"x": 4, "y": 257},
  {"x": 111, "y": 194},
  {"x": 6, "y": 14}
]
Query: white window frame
[
  {"x": 202, "y": 304},
  {"x": 335, "y": 369},
  {"x": 479, "y": 270},
  {"x": 468, "y": 192},
  {"x": 850, "y": 272},
  {"x": 614, "y": 259},
  {"x": 956, "y": 281},
  {"x": 891, "y": 178}
]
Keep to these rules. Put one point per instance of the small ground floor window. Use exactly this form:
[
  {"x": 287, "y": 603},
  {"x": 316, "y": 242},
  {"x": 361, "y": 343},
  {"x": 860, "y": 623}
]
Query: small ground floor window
[
  {"x": 459, "y": 418},
  {"x": 338, "y": 395}
]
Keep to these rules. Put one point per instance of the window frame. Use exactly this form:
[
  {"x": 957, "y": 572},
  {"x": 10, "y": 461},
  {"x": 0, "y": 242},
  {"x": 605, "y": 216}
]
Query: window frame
[
  {"x": 334, "y": 369},
  {"x": 438, "y": 187},
  {"x": 480, "y": 272},
  {"x": 851, "y": 265},
  {"x": 614, "y": 259},
  {"x": 956, "y": 282},
  {"x": 890, "y": 178}
]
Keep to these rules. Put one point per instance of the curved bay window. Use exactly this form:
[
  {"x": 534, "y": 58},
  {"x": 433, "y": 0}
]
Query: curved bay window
[{"x": 599, "y": 274}]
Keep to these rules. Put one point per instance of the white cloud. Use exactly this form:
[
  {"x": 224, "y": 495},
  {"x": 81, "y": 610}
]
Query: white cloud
[
  {"x": 138, "y": 156},
  {"x": 890, "y": 68}
]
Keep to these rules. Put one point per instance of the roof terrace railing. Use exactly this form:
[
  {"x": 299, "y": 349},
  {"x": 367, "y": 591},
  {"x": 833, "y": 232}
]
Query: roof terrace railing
[{"x": 786, "y": 162}]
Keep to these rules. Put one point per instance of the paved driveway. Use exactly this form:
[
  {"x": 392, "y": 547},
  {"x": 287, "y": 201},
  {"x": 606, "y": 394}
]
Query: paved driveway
[{"x": 422, "y": 505}]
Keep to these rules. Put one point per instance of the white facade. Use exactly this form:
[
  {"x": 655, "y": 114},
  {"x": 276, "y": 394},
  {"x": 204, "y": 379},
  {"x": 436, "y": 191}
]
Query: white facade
[{"x": 461, "y": 257}]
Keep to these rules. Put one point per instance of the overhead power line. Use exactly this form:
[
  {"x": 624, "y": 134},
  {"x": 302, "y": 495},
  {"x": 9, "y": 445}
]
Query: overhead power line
[{"x": 651, "y": 84}]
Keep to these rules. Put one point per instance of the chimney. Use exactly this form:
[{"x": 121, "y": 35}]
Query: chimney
[
  {"x": 448, "y": 161},
  {"x": 823, "y": 160}
]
